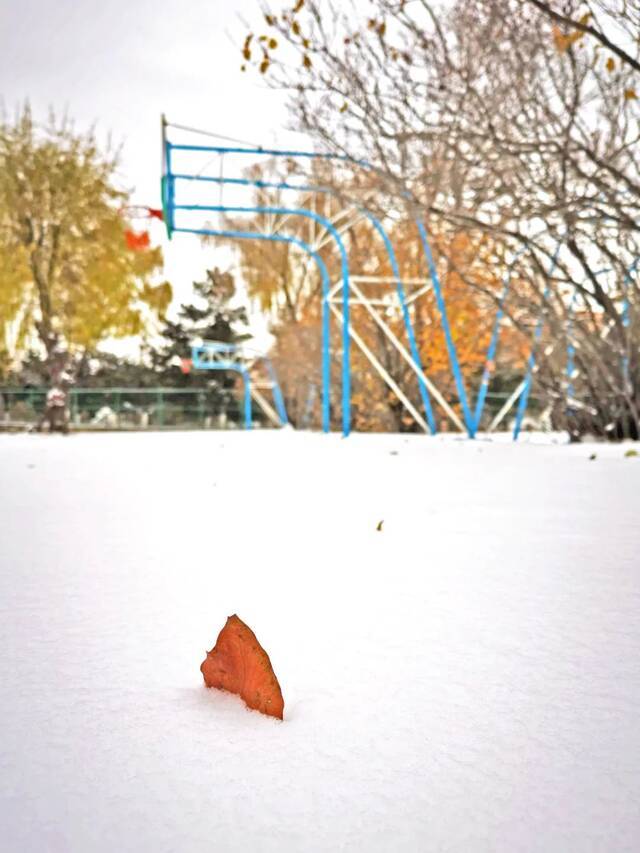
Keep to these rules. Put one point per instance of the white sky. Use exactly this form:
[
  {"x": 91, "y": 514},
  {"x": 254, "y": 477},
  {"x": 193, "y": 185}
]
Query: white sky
[{"x": 119, "y": 64}]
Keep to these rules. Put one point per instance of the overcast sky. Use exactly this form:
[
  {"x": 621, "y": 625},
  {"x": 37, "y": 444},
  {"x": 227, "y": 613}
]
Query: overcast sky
[{"x": 120, "y": 63}]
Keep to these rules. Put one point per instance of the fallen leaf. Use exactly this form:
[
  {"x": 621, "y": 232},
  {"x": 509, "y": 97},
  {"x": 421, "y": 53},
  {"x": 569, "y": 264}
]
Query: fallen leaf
[
  {"x": 379, "y": 526},
  {"x": 630, "y": 95},
  {"x": 593, "y": 456},
  {"x": 630, "y": 453},
  {"x": 238, "y": 663}
]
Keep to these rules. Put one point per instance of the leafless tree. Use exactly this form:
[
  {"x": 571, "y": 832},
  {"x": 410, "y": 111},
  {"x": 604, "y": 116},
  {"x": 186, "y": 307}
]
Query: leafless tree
[{"x": 503, "y": 117}]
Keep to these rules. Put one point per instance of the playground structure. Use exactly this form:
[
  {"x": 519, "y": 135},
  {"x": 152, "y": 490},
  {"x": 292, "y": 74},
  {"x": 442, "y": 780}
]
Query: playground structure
[
  {"x": 235, "y": 358},
  {"x": 340, "y": 296}
]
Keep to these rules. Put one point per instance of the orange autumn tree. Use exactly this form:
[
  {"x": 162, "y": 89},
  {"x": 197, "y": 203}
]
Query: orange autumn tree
[{"x": 471, "y": 268}]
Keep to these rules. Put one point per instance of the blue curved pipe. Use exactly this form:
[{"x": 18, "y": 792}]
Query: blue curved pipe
[
  {"x": 284, "y": 185},
  {"x": 626, "y": 319},
  {"x": 571, "y": 350},
  {"x": 344, "y": 264},
  {"x": 493, "y": 344},
  {"x": 451, "y": 347},
  {"x": 413, "y": 346},
  {"x": 326, "y": 286}
]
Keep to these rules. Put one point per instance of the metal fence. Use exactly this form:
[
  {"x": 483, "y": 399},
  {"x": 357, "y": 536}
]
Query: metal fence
[
  {"x": 173, "y": 408},
  {"x": 126, "y": 409}
]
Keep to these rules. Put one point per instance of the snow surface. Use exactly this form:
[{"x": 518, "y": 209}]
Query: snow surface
[{"x": 465, "y": 679}]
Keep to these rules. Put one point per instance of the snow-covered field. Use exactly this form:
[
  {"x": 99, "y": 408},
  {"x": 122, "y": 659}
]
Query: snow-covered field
[{"x": 465, "y": 679}]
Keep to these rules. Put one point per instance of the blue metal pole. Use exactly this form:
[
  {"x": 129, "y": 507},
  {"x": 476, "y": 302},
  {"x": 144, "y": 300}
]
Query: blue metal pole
[
  {"x": 344, "y": 264},
  {"x": 247, "y": 398},
  {"x": 203, "y": 364},
  {"x": 493, "y": 345},
  {"x": 531, "y": 362},
  {"x": 626, "y": 321},
  {"x": 491, "y": 354},
  {"x": 451, "y": 347},
  {"x": 168, "y": 191},
  {"x": 571, "y": 350},
  {"x": 326, "y": 285},
  {"x": 413, "y": 346}
]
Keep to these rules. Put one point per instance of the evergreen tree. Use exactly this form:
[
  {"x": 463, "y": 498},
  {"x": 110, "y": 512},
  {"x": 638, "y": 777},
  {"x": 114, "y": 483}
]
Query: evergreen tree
[{"x": 210, "y": 317}]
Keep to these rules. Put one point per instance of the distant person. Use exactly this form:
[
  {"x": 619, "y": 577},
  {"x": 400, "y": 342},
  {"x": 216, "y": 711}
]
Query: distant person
[{"x": 56, "y": 410}]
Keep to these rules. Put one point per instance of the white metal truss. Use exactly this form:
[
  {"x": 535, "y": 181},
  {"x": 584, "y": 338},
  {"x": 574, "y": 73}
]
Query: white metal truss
[
  {"x": 357, "y": 297},
  {"x": 264, "y": 404},
  {"x": 250, "y": 360},
  {"x": 381, "y": 371}
]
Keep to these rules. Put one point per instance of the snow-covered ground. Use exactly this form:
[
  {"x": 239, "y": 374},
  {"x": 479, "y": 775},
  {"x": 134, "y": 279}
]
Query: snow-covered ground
[{"x": 465, "y": 679}]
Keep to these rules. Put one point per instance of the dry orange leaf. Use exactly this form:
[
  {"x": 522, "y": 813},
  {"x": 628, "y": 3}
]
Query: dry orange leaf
[{"x": 239, "y": 664}]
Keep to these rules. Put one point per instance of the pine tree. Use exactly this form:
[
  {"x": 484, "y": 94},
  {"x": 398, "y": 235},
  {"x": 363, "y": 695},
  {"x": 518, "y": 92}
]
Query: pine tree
[{"x": 210, "y": 318}]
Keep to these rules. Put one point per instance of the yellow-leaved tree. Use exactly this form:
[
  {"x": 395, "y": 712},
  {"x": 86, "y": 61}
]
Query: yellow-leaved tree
[{"x": 68, "y": 275}]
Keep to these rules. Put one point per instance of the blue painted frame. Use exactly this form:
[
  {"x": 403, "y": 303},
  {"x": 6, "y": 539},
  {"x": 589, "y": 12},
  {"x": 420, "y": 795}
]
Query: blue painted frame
[
  {"x": 172, "y": 207},
  {"x": 234, "y": 366},
  {"x": 326, "y": 285},
  {"x": 312, "y": 188},
  {"x": 217, "y": 347},
  {"x": 451, "y": 348}
]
